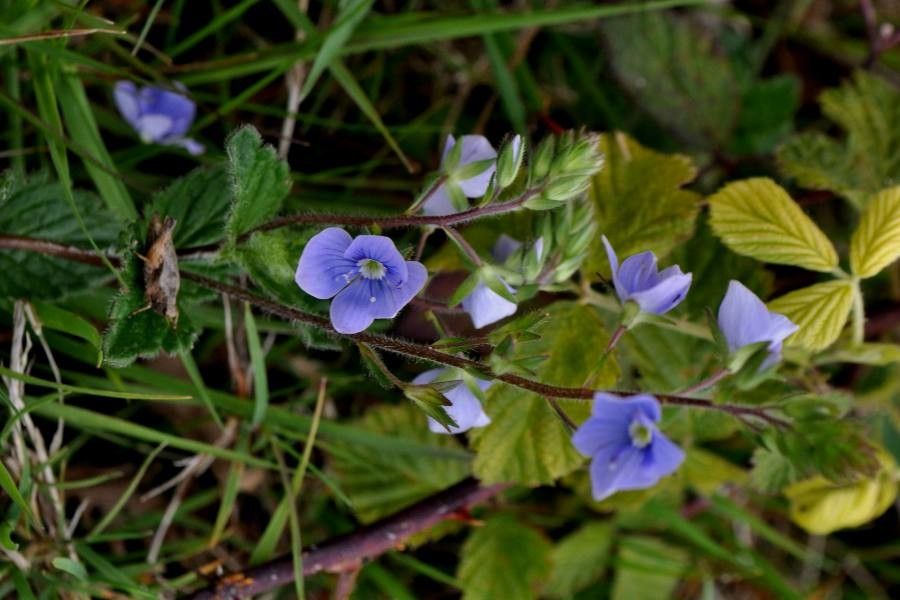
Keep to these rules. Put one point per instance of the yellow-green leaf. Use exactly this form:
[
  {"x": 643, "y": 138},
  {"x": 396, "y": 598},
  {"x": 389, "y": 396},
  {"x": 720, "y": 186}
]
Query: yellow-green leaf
[
  {"x": 707, "y": 472},
  {"x": 819, "y": 310},
  {"x": 876, "y": 241},
  {"x": 757, "y": 218},
  {"x": 526, "y": 442},
  {"x": 821, "y": 506},
  {"x": 639, "y": 203}
]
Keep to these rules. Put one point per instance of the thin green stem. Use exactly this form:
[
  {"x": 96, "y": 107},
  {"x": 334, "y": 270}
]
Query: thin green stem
[
  {"x": 463, "y": 245},
  {"x": 859, "y": 313}
]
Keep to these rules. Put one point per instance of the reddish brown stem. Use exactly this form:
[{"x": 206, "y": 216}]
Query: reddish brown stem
[{"x": 348, "y": 552}]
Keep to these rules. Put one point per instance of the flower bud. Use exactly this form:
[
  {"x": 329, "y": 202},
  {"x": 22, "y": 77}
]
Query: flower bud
[
  {"x": 510, "y": 161},
  {"x": 543, "y": 157}
]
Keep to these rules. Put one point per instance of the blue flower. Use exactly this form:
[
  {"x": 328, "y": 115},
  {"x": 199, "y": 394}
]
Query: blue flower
[
  {"x": 367, "y": 277},
  {"x": 474, "y": 148},
  {"x": 638, "y": 279},
  {"x": 627, "y": 450},
  {"x": 484, "y": 305},
  {"x": 158, "y": 115},
  {"x": 744, "y": 320},
  {"x": 464, "y": 407}
]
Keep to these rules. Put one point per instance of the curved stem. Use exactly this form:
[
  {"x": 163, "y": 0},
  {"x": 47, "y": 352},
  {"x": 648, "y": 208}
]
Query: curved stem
[
  {"x": 387, "y": 343},
  {"x": 395, "y": 221},
  {"x": 465, "y": 246}
]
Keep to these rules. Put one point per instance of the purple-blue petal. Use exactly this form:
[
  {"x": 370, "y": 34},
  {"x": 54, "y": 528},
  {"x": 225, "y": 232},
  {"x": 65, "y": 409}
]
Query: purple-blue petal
[
  {"x": 622, "y": 408},
  {"x": 613, "y": 469},
  {"x": 638, "y": 273},
  {"x": 153, "y": 127},
  {"x": 597, "y": 433},
  {"x": 665, "y": 295},
  {"x": 476, "y": 148},
  {"x": 382, "y": 249},
  {"x": 485, "y": 306},
  {"x": 323, "y": 270},
  {"x": 744, "y": 319},
  {"x": 125, "y": 95},
  {"x": 389, "y": 299},
  {"x": 439, "y": 203},
  {"x": 662, "y": 457},
  {"x": 614, "y": 269},
  {"x": 504, "y": 247},
  {"x": 352, "y": 309},
  {"x": 178, "y": 107},
  {"x": 465, "y": 408}
]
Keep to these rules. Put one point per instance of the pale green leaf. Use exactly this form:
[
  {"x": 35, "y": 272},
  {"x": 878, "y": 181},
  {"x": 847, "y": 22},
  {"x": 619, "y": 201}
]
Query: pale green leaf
[
  {"x": 526, "y": 442},
  {"x": 869, "y": 353},
  {"x": 639, "y": 202},
  {"x": 821, "y": 506},
  {"x": 647, "y": 569},
  {"x": 9, "y": 487},
  {"x": 579, "y": 559},
  {"x": 867, "y": 108},
  {"x": 757, "y": 218},
  {"x": 876, "y": 241},
  {"x": 260, "y": 181},
  {"x": 503, "y": 559},
  {"x": 707, "y": 472},
  {"x": 819, "y": 310},
  {"x": 379, "y": 483}
]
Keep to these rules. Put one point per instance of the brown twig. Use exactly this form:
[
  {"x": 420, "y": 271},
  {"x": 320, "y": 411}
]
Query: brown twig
[{"x": 345, "y": 553}]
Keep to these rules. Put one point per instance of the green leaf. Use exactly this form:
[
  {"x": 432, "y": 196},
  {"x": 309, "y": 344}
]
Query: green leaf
[
  {"x": 258, "y": 366},
  {"x": 60, "y": 319},
  {"x": 38, "y": 209},
  {"x": 526, "y": 442},
  {"x": 579, "y": 559},
  {"x": 259, "y": 180},
  {"x": 819, "y": 310},
  {"x": 72, "y": 567},
  {"x": 8, "y": 484},
  {"x": 868, "y": 160},
  {"x": 503, "y": 559},
  {"x": 350, "y": 16},
  {"x": 381, "y": 482},
  {"x": 869, "y": 353},
  {"x": 198, "y": 202},
  {"x": 821, "y": 506},
  {"x": 757, "y": 218},
  {"x": 675, "y": 74},
  {"x": 137, "y": 333},
  {"x": 647, "y": 569},
  {"x": 767, "y": 115},
  {"x": 82, "y": 126},
  {"x": 707, "y": 472},
  {"x": 876, "y": 241},
  {"x": 638, "y": 201}
]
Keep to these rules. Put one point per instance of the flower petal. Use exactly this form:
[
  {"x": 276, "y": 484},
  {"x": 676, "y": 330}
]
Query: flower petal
[
  {"x": 427, "y": 376},
  {"x": 485, "y": 306},
  {"x": 743, "y": 318},
  {"x": 504, "y": 247},
  {"x": 323, "y": 270},
  {"x": 614, "y": 469},
  {"x": 382, "y": 249},
  {"x": 597, "y": 433},
  {"x": 389, "y": 299},
  {"x": 439, "y": 203},
  {"x": 638, "y": 273},
  {"x": 125, "y": 95},
  {"x": 476, "y": 148},
  {"x": 448, "y": 146},
  {"x": 153, "y": 128},
  {"x": 622, "y": 408},
  {"x": 194, "y": 147},
  {"x": 665, "y": 295},
  {"x": 614, "y": 269},
  {"x": 662, "y": 457},
  {"x": 351, "y": 309},
  {"x": 464, "y": 408},
  {"x": 177, "y": 107}
]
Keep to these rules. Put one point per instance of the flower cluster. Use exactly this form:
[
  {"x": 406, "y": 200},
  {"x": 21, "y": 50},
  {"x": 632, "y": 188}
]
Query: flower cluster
[{"x": 465, "y": 408}]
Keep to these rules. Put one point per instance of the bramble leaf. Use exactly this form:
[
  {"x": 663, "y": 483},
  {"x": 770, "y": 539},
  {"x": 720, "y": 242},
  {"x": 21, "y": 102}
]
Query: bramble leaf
[
  {"x": 821, "y": 506},
  {"x": 820, "y": 310},
  {"x": 876, "y": 241},
  {"x": 378, "y": 483},
  {"x": 867, "y": 108},
  {"x": 259, "y": 180},
  {"x": 503, "y": 559},
  {"x": 199, "y": 203},
  {"x": 648, "y": 569},
  {"x": 526, "y": 442},
  {"x": 757, "y": 218},
  {"x": 579, "y": 559},
  {"x": 638, "y": 201}
]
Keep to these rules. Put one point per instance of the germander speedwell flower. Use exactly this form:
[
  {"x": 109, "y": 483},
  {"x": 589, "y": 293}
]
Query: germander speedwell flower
[
  {"x": 367, "y": 277},
  {"x": 638, "y": 279},
  {"x": 745, "y": 320},
  {"x": 627, "y": 450},
  {"x": 158, "y": 115},
  {"x": 465, "y": 408},
  {"x": 474, "y": 148}
]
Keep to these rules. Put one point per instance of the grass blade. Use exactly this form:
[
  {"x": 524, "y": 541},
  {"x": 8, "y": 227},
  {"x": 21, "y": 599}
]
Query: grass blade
[{"x": 258, "y": 366}]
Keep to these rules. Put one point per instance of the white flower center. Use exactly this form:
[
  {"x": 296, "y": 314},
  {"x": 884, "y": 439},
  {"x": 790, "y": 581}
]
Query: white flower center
[
  {"x": 641, "y": 435},
  {"x": 371, "y": 268}
]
